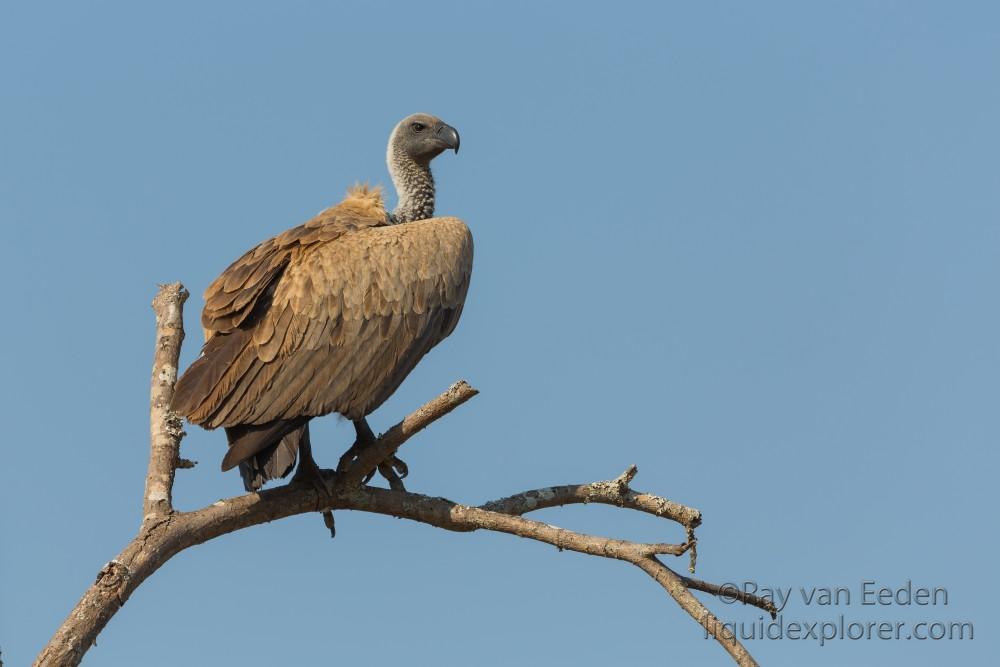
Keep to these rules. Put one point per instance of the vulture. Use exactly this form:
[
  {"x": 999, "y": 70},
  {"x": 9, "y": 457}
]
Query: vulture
[{"x": 330, "y": 316}]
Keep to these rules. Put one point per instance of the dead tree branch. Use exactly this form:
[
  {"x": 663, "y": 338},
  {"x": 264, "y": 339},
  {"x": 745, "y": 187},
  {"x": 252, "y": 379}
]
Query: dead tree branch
[
  {"x": 390, "y": 441},
  {"x": 165, "y": 428},
  {"x": 165, "y": 532}
]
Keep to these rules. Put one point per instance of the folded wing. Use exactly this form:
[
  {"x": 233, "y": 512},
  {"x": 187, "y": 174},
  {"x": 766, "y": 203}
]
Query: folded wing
[{"x": 318, "y": 321}]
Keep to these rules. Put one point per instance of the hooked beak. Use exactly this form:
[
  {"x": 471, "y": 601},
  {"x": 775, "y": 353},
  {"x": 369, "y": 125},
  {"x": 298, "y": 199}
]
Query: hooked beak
[{"x": 448, "y": 136}]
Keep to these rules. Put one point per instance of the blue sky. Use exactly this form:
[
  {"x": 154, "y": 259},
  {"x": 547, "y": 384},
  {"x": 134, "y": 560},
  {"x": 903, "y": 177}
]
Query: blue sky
[{"x": 752, "y": 248}]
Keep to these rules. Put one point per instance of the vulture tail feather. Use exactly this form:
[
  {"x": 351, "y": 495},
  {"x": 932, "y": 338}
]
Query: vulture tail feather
[
  {"x": 275, "y": 461},
  {"x": 249, "y": 440}
]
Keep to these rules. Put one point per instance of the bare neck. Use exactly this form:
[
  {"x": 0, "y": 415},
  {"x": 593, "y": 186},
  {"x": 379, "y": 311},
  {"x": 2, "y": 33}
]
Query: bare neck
[{"x": 414, "y": 188}]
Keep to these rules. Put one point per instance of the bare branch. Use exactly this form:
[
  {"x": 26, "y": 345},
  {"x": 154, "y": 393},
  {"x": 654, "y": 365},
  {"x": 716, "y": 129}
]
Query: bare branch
[
  {"x": 165, "y": 427},
  {"x": 115, "y": 580},
  {"x": 731, "y": 593},
  {"x": 673, "y": 584},
  {"x": 612, "y": 492},
  {"x": 389, "y": 442},
  {"x": 446, "y": 514}
]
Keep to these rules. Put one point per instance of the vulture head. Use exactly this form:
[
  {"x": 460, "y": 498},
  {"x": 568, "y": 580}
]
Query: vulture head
[
  {"x": 414, "y": 142},
  {"x": 422, "y": 137}
]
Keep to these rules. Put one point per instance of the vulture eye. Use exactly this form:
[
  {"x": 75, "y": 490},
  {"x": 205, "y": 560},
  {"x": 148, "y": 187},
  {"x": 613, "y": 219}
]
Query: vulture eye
[{"x": 418, "y": 127}]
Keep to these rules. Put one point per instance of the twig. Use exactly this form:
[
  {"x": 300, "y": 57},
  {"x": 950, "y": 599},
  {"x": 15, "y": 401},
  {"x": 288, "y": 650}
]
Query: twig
[
  {"x": 612, "y": 492},
  {"x": 731, "y": 593},
  {"x": 673, "y": 584}
]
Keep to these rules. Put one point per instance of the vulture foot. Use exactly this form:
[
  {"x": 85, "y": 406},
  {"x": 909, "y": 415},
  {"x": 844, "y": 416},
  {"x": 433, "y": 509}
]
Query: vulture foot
[
  {"x": 310, "y": 473},
  {"x": 393, "y": 469}
]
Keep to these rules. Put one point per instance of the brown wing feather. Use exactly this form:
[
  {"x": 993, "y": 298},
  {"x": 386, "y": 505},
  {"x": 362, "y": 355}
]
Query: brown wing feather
[
  {"x": 235, "y": 294},
  {"x": 245, "y": 288},
  {"x": 337, "y": 336}
]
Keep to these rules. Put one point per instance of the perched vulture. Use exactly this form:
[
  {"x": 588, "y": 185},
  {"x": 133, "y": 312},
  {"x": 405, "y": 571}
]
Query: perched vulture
[{"x": 330, "y": 316}]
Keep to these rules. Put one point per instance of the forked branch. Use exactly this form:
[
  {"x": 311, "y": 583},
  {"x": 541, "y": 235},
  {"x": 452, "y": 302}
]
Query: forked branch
[{"x": 165, "y": 532}]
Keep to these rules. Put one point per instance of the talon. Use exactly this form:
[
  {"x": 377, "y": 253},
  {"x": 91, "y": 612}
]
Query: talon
[
  {"x": 348, "y": 457},
  {"x": 386, "y": 470},
  {"x": 393, "y": 469},
  {"x": 399, "y": 465}
]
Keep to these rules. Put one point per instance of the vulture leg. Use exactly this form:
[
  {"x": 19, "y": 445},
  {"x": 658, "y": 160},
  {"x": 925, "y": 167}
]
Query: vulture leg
[
  {"x": 308, "y": 471},
  {"x": 312, "y": 474},
  {"x": 392, "y": 469}
]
